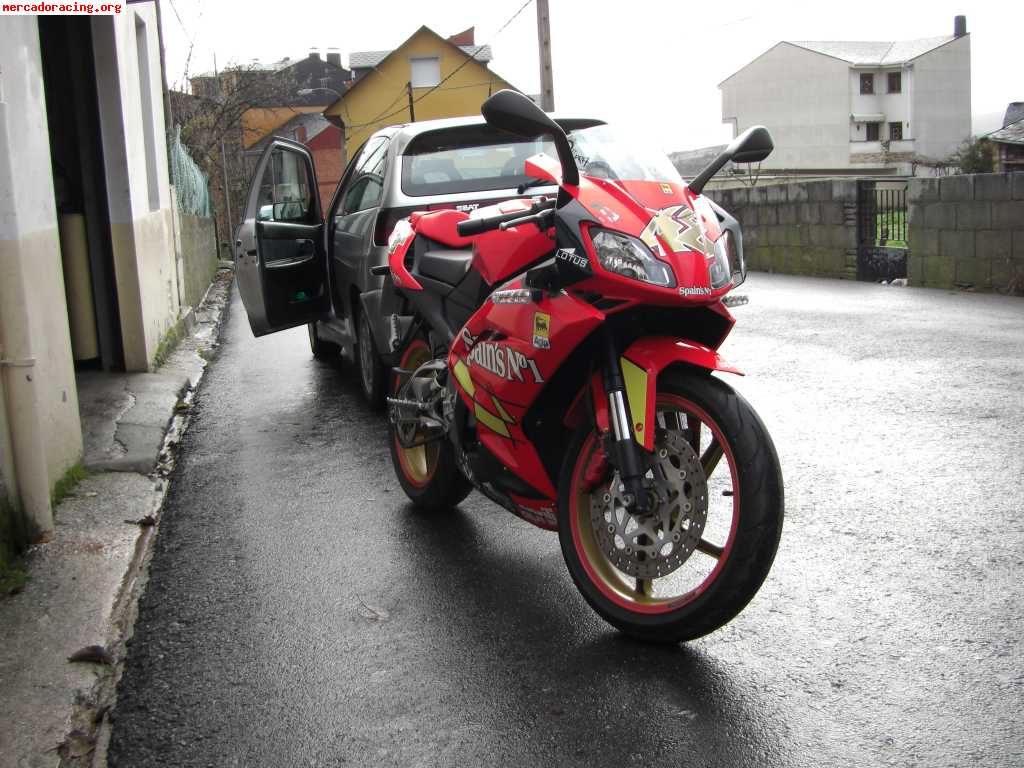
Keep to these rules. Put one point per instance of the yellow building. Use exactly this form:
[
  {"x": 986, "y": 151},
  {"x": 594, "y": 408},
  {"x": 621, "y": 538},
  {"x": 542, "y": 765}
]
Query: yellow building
[{"x": 441, "y": 78}]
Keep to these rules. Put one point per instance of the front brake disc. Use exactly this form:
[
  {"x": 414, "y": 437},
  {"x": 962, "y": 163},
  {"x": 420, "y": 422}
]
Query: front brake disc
[{"x": 656, "y": 543}]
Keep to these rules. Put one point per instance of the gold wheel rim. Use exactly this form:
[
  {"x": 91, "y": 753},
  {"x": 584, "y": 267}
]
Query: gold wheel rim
[
  {"x": 420, "y": 462},
  {"x": 626, "y": 591}
]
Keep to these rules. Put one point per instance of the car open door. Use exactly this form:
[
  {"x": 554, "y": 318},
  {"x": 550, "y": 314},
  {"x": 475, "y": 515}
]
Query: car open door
[{"x": 280, "y": 260}]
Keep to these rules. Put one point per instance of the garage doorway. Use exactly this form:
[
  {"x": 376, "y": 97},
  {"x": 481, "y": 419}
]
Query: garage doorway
[{"x": 80, "y": 192}]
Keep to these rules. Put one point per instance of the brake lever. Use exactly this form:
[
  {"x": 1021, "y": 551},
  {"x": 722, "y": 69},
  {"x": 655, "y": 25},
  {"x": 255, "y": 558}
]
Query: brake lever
[{"x": 533, "y": 218}]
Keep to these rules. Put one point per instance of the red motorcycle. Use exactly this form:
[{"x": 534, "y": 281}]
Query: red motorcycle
[{"x": 578, "y": 394}]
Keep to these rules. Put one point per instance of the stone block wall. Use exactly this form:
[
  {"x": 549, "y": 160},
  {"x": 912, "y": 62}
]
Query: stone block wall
[
  {"x": 199, "y": 255},
  {"x": 967, "y": 231},
  {"x": 798, "y": 228}
]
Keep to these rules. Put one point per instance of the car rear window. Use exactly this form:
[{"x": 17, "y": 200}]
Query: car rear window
[{"x": 470, "y": 158}]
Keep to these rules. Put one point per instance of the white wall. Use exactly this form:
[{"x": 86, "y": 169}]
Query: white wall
[
  {"x": 41, "y": 401},
  {"x": 895, "y": 106},
  {"x": 804, "y": 100},
  {"x": 140, "y": 208},
  {"x": 942, "y": 98}
]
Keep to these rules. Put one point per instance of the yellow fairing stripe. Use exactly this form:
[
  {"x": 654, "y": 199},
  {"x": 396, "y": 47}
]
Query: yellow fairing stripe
[
  {"x": 636, "y": 394},
  {"x": 491, "y": 421},
  {"x": 501, "y": 411},
  {"x": 462, "y": 376}
]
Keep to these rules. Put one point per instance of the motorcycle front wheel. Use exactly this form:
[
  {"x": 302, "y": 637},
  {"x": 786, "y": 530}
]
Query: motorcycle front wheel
[{"x": 694, "y": 561}]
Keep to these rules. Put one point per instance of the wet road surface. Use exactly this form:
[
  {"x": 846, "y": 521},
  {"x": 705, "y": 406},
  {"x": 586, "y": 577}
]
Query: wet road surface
[{"x": 300, "y": 612}]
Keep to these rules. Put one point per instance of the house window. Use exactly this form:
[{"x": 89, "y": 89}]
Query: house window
[
  {"x": 867, "y": 83},
  {"x": 872, "y": 131},
  {"x": 426, "y": 72},
  {"x": 896, "y": 131},
  {"x": 895, "y": 82}
]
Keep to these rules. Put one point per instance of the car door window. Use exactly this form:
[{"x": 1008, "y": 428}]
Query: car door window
[
  {"x": 367, "y": 185},
  {"x": 285, "y": 192}
]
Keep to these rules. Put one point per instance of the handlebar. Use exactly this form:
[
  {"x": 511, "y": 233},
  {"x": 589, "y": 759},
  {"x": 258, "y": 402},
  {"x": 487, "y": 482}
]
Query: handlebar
[{"x": 471, "y": 227}]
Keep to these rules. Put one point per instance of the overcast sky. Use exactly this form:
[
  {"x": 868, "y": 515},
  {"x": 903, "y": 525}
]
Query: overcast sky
[{"x": 651, "y": 65}]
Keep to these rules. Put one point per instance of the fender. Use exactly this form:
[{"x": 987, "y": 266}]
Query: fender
[{"x": 641, "y": 362}]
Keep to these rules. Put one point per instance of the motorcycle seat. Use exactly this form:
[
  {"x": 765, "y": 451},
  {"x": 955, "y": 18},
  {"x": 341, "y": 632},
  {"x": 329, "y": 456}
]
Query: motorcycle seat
[
  {"x": 441, "y": 226},
  {"x": 448, "y": 266}
]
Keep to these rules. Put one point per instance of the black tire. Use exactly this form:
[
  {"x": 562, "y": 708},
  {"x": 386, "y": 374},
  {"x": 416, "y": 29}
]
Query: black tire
[
  {"x": 322, "y": 350},
  {"x": 754, "y": 514},
  {"x": 429, "y": 475},
  {"x": 372, "y": 373}
]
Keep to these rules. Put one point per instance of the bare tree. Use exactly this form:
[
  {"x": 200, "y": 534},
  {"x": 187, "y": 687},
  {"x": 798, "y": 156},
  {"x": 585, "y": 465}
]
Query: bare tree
[{"x": 212, "y": 120}]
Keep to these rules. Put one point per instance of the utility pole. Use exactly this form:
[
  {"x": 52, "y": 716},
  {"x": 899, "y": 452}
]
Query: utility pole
[
  {"x": 223, "y": 157},
  {"x": 547, "y": 81},
  {"x": 412, "y": 113}
]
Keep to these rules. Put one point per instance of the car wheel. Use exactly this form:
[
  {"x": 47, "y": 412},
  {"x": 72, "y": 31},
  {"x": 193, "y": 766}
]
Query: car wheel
[
  {"x": 371, "y": 370},
  {"x": 322, "y": 350}
]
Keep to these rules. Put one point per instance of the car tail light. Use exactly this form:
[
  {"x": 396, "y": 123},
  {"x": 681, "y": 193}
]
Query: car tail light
[{"x": 386, "y": 220}]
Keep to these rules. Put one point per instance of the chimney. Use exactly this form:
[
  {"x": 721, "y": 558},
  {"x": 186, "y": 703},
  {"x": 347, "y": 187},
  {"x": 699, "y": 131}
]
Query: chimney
[
  {"x": 314, "y": 54},
  {"x": 959, "y": 26},
  {"x": 333, "y": 57}
]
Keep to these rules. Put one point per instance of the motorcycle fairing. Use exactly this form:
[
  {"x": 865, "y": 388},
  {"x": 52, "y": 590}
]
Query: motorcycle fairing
[
  {"x": 502, "y": 359},
  {"x": 641, "y": 362},
  {"x": 678, "y": 226}
]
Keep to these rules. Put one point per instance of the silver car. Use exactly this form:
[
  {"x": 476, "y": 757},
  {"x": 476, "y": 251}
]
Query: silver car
[{"x": 299, "y": 265}]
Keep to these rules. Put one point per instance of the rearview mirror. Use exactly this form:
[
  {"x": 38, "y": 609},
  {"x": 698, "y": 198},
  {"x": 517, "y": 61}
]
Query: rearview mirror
[
  {"x": 513, "y": 112},
  {"x": 751, "y": 146}
]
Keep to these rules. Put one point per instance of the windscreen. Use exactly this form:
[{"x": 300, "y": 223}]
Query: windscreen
[{"x": 604, "y": 152}]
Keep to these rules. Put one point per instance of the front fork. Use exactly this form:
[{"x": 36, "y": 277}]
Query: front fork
[{"x": 626, "y": 454}]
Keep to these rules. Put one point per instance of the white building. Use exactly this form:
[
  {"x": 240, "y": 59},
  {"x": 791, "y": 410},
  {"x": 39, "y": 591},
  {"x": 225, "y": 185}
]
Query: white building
[
  {"x": 87, "y": 259},
  {"x": 856, "y": 107}
]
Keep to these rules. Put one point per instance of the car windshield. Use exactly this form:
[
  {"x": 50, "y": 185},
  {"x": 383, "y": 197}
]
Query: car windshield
[
  {"x": 607, "y": 153},
  {"x": 479, "y": 158},
  {"x": 469, "y": 158}
]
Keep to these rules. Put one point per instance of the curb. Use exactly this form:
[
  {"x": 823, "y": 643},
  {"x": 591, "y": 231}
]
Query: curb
[{"x": 90, "y": 720}]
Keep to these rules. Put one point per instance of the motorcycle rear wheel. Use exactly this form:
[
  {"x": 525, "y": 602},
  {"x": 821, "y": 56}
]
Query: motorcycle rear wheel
[
  {"x": 719, "y": 551},
  {"x": 428, "y": 473}
]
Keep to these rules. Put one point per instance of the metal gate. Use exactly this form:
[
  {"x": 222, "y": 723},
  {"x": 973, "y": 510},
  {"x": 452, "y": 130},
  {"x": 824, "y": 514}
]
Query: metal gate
[{"x": 881, "y": 231}]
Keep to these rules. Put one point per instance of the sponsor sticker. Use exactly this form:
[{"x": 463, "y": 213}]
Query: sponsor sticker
[
  {"x": 504, "y": 362},
  {"x": 541, "y": 330},
  {"x": 666, "y": 188},
  {"x": 694, "y": 290},
  {"x": 569, "y": 256}
]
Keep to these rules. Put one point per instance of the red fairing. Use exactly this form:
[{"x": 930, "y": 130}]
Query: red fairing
[
  {"x": 398, "y": 246},
  {"x": 441, "y": 226},
  {"x": 653, "y": 354},
  {"x": 507, "y": 376},
  {"x": 501, "y": 253}
]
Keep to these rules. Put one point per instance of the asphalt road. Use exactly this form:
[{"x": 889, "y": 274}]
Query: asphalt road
[{"x": 299, "y": 612}]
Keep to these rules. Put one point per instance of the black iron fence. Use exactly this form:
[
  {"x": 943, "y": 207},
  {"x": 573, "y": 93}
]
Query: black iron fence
[
  {"x": 881, "y": 231},
  {"x": 882, "y": 215}
]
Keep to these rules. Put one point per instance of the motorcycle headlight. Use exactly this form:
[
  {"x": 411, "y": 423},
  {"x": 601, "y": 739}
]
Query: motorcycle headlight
[
  {"x": 727, "y": 264},
  {"x": 629, "y": 257}
]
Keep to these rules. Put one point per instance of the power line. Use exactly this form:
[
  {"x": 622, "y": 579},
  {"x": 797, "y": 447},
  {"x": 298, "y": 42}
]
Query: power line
[{"x": 479, "y": 48}]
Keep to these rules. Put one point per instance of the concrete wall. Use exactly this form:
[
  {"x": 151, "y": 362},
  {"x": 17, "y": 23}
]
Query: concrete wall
[
  {"x": 39, "y": 395},
  {"x": 199, "y": 257},
  {"x": 135, "y": 152},
  {"x": 802, "y": 97},
  {"x": 941, "y": 99},
  {"x": 967, "y": 230},
  {"x": 804, "y": 228}
]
